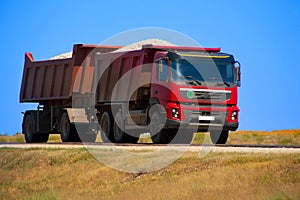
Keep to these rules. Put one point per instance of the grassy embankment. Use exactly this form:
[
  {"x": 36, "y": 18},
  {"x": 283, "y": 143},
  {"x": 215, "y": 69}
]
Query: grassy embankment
[
  {"x": 282, "y": 137},
  {"x": 75, "y": 174}
]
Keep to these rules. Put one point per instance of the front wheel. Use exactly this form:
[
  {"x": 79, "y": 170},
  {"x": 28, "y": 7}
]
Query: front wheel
[
  {"x": 159, "y": 135},
  {"x": 182, "y": 137},
  {"x": 164, "y": 136},
  {"x": 219, "y": 137}
]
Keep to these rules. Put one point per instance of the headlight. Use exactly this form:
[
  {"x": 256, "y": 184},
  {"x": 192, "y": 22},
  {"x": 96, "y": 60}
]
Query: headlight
[
  {"x": 234, "y": 115},
  {"x": 175, "y": 113}
]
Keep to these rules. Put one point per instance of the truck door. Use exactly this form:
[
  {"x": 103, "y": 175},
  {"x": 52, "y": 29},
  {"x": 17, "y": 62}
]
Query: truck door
[{"x": 160, "y": 81}]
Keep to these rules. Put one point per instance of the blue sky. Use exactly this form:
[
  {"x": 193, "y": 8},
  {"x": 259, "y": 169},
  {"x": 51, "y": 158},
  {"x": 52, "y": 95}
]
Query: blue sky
[{"x": 263, "y": 35}]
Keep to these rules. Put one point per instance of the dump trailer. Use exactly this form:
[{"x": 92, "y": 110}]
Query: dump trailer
[
  {"x": 52, "y": 84},
  {"x": 167, "y": 91}
]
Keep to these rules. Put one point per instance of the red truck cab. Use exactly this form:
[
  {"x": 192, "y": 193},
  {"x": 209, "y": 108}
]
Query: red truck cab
[{"x": 197, "y": 89}]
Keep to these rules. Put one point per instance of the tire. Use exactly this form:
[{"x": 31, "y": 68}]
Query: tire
[
  {"x": 68, "y": 132},
  {"x": 219, "y": 137},
  {"x": 120, "y": 134},
  {"x": 154, "y": 127},
  {"x": 158, "y": 134},
  {"x": 164, "y": 136},
  {"x": 181, "y": 137},
  {"x": 29, "y": 129},
  {"x": 42, "y": 138},
  {"x": 106, "y": 127}
]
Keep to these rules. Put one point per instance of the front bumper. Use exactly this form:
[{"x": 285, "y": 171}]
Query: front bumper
[{"x": 192, "y": 123}]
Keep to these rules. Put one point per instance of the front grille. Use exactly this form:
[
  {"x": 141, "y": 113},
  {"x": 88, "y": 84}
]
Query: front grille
[
  {"x": 206, "y": 95},
  {"x": 197, "y": 106},
  {"x": 212, "y": 96}
]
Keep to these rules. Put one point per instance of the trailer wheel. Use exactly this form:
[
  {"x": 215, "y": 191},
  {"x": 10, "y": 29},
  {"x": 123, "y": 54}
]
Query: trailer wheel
[
  {"x": 119, "y": 133},
  {"x": 29, "y": 129},
  {"x": 106, "y": 128},
  {"x": 219, "y": 137},
  {"x": 42, "y": 137},
  {"x": 68, "y": 132},
  {"x": 29, "y": 126}
]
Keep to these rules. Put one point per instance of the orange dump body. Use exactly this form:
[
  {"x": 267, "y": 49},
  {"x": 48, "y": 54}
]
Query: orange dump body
[{"x": 58, "y": 79}]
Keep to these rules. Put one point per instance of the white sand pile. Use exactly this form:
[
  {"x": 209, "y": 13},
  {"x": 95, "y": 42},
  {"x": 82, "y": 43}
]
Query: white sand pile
[
  {"x": 62, "y": 56},
  {"x": 130, "y": 47},
  {"x": 138, "y": 45}
]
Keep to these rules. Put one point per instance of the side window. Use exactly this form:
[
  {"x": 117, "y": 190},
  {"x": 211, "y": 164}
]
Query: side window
[{"x": 162, "y": 70}]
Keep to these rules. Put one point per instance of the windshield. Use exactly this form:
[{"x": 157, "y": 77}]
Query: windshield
[{"x": 200, "y": 71}]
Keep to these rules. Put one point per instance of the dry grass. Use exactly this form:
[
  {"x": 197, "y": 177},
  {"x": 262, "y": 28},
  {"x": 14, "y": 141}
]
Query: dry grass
[
  {"x": 18, "y": 137},
  {"x": 75, "y": 174},
  {"x": 282, "y": 137}
]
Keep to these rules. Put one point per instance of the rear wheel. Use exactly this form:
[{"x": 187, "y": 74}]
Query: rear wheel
[
  {"x": 106, "y": 128},
  {"x": 219, "y": 137},
  {"x": 29, "y": 130},
  {"x": 43, "y": 137},
  {"x": 120, "y": 135},
  {"x": 68, "y": 132}
]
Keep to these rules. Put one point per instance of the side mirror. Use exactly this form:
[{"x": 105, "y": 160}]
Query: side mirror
[{"x": 237, "y": 66}]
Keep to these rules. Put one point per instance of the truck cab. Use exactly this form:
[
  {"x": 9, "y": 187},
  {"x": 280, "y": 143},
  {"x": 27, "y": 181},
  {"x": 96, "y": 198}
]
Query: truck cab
[{"x": 197, "y": 90}]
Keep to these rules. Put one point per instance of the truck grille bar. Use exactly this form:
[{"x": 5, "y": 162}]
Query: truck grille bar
[{"x": 206, "y": 95}]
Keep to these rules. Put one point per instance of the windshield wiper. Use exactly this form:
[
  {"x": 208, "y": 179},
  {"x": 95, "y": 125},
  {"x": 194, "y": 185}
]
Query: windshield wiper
[
  {"x": 223, "y": 83},
  {"x": 191, "y": 77}
]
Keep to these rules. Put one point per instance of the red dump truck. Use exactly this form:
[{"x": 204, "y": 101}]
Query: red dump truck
[{"x": 167, "y": 91}]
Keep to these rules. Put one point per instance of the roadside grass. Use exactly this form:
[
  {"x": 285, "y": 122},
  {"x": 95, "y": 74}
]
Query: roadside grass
[
  {"x": 76, "y": 174},
  {"x": 276, "y": 137},
  {"x": 18, "y": 137},
  {"x": 282, "y": 137}
]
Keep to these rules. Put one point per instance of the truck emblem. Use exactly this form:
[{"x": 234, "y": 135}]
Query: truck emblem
[{"x": 190, "y": 94}]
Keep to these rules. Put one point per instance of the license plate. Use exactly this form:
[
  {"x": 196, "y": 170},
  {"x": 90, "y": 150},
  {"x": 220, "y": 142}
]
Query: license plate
[{"x": 206, "y": 118}]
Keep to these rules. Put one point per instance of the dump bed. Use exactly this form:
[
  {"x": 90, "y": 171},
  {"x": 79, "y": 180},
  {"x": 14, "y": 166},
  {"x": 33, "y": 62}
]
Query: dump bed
[
  {"x": 128, "y": 74},
  {"x": 58, "y": 79}
]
